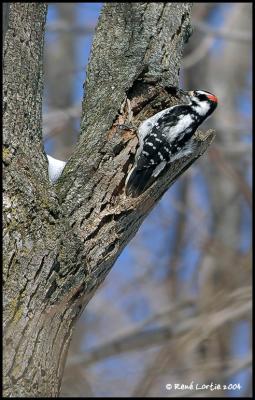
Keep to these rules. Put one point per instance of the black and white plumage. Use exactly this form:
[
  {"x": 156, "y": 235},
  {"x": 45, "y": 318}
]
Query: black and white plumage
[{"x": 166, "y": 137}]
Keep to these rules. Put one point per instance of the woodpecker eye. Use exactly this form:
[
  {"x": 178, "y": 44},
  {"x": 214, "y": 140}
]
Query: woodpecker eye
[
  {"x": 201, "y": 96},
  {"x": 206, "y": 96}
]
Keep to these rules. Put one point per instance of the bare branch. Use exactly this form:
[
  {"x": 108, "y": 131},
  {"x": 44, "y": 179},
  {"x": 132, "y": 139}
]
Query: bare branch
[
  {"x": 229, "y": 170},
  {"x": 194, "y": 327},
  {"x": 54, "y": 120},
  {"x": 61, "y": 27},
  {"x": 241, "y": 36},
  {"x": 199, "y": 53}
]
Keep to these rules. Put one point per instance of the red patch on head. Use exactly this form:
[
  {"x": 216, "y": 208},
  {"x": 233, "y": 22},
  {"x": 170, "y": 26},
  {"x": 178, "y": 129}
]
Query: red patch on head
[{"x": 212, "y": 98}]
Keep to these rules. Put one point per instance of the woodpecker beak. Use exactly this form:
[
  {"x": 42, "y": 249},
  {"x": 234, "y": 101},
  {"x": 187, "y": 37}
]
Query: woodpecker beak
[{"x": 212, "y": 98}]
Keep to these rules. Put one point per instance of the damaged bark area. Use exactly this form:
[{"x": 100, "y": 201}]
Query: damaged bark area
[
  {"x": 113, "y": 218},
  {"x": 60, "y": 241}
]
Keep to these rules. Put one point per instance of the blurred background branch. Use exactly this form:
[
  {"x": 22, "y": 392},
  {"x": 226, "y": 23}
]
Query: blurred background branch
[{"x": 242, "y": 35}]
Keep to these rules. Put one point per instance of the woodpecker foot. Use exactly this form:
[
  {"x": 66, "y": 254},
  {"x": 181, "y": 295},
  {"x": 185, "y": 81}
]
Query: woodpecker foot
[{"x": 127, "y": 127}]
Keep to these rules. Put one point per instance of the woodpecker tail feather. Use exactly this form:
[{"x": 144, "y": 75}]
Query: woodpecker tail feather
[{"x": 139, "y": 180}]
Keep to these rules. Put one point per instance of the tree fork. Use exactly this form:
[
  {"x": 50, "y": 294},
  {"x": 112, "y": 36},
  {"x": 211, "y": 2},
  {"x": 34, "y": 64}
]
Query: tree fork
[{"x": 60, "y": 241}]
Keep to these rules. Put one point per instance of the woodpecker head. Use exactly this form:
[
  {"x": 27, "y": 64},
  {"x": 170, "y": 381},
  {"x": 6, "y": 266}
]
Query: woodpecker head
[{"x": 204, "y": 103}]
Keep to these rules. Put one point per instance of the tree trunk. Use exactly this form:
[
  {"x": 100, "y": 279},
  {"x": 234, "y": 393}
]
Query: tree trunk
[{"x": 60, "y": 241}]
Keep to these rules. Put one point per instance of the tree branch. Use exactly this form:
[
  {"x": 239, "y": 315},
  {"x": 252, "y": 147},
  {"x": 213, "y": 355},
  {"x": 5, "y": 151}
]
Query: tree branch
[
  {"x": 240, "y": 36},
  {"x": 22, "y": 102},
  {"x": 138, "y": 340}
]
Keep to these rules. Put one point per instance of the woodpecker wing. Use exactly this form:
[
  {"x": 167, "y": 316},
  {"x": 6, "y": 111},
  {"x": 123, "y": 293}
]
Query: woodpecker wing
[
  {"x": 139, "y": 180},
  {"x": 159, "y": 147}
]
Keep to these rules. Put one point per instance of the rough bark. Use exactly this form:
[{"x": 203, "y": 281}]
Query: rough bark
[{"x": 61, "y": 241}]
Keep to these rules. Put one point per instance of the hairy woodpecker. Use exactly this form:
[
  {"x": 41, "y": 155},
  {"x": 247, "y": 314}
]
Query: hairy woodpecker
[{"x": 166, "y": 137}]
